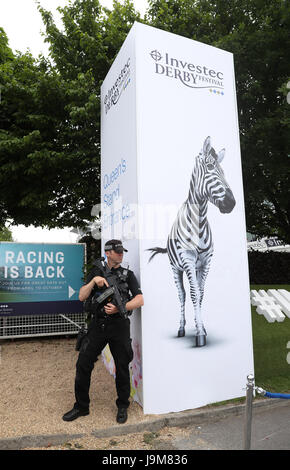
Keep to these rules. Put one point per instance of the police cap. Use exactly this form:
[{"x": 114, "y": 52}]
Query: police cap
[{"x": 115, "y": 245}]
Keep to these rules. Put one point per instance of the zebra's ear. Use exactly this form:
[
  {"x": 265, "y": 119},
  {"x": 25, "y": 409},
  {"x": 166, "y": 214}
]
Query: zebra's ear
[
  {"x": 221, "y": 155},
  {"x": 206, "y": 146}
]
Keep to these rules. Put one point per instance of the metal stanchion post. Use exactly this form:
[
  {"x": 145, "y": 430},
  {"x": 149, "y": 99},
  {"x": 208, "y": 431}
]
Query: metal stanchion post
[{"x": 249, "y": 403}]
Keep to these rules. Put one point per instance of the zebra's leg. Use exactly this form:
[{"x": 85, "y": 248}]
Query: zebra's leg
[
  {"x": 201, "y": 282},
  {"x": 201, "y": 275},
  {"x": 189, "y": 265},
  {"x": 178, "y": 278}
]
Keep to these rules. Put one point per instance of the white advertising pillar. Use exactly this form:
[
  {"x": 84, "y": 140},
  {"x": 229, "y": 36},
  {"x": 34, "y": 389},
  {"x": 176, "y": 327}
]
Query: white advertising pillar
[{"x": 172, "y": 191}]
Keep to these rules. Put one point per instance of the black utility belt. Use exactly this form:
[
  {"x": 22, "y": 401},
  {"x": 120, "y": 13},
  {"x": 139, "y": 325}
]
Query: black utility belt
[{"x": 113, "y": 316}]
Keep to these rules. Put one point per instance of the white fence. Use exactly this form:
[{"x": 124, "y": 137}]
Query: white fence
[{"x": 40, "y": 325}]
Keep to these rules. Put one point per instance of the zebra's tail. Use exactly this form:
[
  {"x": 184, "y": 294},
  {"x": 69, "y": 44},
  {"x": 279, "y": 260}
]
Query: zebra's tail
[{"x": 156, "y": 251}]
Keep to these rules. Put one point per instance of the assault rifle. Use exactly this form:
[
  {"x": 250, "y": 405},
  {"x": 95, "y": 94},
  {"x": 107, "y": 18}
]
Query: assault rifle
[{"x": 117, "y": 284}]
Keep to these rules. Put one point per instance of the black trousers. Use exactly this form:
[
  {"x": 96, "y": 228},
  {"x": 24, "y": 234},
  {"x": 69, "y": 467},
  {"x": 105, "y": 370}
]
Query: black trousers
[{"x": 116, "y": 333}]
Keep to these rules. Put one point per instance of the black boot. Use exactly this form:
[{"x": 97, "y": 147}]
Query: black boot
[
  {"x": 74, "y": 414},
  {"x": 122, "y": 415}
]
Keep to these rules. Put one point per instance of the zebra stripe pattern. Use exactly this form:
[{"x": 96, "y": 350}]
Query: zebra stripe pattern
[{"x": 190, "y": 243}]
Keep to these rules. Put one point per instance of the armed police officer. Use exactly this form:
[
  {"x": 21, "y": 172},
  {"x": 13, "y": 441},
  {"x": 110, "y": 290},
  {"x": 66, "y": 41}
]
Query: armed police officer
[{"x": 110, "y": 325}]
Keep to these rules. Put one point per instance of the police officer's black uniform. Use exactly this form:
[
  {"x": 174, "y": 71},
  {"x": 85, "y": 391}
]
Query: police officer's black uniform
[{"x": 105, "y": 329}]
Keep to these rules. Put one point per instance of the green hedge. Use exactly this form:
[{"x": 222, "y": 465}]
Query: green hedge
[
  {"x": 272, "y": 371},
  {"x": 269, "y": 267}
]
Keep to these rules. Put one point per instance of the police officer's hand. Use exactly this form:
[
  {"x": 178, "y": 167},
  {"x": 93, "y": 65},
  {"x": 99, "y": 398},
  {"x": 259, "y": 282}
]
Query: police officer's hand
[
  {"x": 100, "y": 281},
  {"x": 110, "y": 309}
]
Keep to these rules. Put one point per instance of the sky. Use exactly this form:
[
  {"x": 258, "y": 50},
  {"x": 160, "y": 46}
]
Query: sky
[{"x": 22, "y": 23}]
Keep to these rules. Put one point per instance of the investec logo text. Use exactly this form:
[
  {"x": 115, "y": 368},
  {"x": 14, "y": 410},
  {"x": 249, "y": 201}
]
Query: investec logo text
[
  {"x": 189, "y": 74},
  {"x": 122, "y": 81}
]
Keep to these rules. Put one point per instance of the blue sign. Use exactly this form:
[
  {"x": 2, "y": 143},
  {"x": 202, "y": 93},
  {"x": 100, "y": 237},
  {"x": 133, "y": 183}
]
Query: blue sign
[{"x": 40, "y": 278}]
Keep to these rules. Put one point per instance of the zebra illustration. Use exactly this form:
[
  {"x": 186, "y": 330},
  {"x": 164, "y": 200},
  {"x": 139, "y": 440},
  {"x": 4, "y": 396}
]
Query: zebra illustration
[{"x": 190, "y": 244}]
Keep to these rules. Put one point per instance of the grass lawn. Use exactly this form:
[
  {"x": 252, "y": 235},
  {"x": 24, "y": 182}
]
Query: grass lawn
[{"x": 272, "y": 371}]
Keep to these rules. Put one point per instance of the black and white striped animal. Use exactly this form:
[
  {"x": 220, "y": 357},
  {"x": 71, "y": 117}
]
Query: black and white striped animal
[{"x": 190, "y": 244}]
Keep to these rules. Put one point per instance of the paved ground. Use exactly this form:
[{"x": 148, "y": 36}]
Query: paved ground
[
  {"x": 217, "y": 428},
  {"x": 270, "y": 431}
]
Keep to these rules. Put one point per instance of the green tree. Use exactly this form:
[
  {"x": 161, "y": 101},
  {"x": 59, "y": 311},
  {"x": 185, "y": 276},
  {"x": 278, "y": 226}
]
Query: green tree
[
  {"x": 50, "y": 117},
  {"x": 5, "y": 234},
  {"x": 5, "y": 51},
  {"x": 50, "y": 108},
  {"x": 45, "y": 144}
]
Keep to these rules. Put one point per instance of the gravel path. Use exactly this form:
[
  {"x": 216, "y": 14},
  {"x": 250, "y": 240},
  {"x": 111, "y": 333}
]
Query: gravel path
[{"x": 37, "y": 388}]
